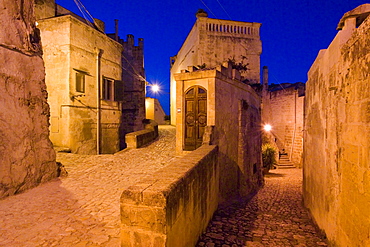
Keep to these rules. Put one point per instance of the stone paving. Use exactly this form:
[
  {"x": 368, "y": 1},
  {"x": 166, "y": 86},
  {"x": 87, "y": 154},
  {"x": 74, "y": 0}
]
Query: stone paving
[
  {"x": 83, "y": 208},
  {"x": 273, "y": 217}
]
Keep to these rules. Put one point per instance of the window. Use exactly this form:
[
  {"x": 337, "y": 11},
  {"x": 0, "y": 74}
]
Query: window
[
  {"x": 112, "y": 90},
  {"x": 80, "y": 82},
  {"x": 108, "y": 89}
]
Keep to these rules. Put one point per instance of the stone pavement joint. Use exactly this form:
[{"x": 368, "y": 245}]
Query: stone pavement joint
[
  {"x": 275, "y": 216},
  {"x": 82, "y": 209}
]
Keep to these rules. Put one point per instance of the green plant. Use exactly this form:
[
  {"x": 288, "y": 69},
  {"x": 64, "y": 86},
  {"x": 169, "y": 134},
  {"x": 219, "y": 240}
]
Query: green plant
[
  {"x": 268, "y": 156},
  {"x": 241, "y": 66},
  {"x": 200, "y": 67}
]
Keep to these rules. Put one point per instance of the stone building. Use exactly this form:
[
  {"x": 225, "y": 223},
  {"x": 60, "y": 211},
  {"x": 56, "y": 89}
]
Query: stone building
[
  {"x": 215, "y": 106},
  {"x": 27, "y": 155},
  {"x": 133, "y": 77},
  {"x": 337, "y": 133},
  {"x": 83, "y": 78},
  {"x": 154, "y": 110},
  {"x": 211, "y": 42},
  {"x": 282, "y": 108}
]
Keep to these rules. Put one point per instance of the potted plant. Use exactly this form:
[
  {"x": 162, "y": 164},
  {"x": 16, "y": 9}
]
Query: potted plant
[{"x": 268, "y": 157}]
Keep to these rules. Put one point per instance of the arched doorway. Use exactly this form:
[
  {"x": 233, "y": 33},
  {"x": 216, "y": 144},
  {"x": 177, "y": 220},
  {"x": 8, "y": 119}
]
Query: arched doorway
[{"x": 195, "y": 117}]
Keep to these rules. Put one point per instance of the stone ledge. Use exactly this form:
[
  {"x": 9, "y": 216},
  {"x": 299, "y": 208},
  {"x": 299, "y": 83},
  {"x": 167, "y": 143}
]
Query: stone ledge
[
  {"x": 142, "y": 137},
  {"x": 174, "y": 206}
]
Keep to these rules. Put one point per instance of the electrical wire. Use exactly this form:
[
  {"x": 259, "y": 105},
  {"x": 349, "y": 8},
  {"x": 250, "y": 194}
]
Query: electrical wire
[
  {"x": 219, "y": 20},
  {"x": 82, "y": 12},
  {"x": 208, "y": 8},
  {"x": 85, "y": 12},
  {"x": 232, "y": 34},
  {"x": 224, "y": 9}
]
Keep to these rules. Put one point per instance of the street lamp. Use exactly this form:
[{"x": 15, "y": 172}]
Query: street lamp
[
  {"x": 155, "y": 88},
  {"x": 267, "y": 127}
]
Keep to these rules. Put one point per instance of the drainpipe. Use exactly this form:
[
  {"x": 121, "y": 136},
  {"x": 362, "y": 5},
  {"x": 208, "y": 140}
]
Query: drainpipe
[{"x": 99, "y": 53}]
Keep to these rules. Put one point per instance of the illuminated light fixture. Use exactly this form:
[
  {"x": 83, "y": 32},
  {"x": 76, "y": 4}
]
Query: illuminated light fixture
[
  {"x": 36, "y": 23},
  {"x": 267, "y": 127},
  {"x": 155, "y": 88}
]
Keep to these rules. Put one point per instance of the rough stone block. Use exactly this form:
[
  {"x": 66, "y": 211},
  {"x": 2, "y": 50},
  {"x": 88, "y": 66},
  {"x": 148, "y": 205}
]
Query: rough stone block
[{"x": 174, "y": 208}]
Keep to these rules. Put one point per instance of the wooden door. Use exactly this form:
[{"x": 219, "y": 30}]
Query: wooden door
[{"x": 195, "y": 117}]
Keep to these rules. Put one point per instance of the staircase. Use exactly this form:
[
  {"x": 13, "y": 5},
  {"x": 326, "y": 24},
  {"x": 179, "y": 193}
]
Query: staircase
[{"x": 284, "y": 162}]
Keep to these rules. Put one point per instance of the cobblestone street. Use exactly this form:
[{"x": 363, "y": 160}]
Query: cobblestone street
[
  {"x": 273, "y": 217},
  {"x": 83, "y": 208}
]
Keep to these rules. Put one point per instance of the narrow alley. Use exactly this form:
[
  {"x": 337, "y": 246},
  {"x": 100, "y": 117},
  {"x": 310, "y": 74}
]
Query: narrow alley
[
  {"x": 83, "y": 208},
  {"x": 273, "y": 217}
]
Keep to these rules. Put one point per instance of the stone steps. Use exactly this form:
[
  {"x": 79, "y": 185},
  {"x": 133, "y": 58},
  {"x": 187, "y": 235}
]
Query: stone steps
[{"x": 284, "y": 162}]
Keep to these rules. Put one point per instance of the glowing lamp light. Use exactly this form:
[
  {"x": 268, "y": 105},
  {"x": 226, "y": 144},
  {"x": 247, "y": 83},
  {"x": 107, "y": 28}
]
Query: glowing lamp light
[
  {"x": 155, "y": 88},
  {"x": 267, "y": 127}
]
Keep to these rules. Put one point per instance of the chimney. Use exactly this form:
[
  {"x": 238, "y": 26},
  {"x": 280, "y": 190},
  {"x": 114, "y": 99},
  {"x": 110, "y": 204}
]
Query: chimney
[
  {"x": 116, "y": 26},
  {"x": 265, "y": 78},
  {"x": 130, "y": 40},
  {"x": 141, "y": 43}
]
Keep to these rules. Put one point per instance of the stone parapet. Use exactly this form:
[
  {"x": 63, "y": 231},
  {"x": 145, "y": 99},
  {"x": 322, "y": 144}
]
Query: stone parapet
[
  {"x": 174, "y": 206},
  {"x": 140, "y": 138}
]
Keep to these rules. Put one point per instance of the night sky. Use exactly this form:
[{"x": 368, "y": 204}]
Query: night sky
[{"x": 292, "y": 32}]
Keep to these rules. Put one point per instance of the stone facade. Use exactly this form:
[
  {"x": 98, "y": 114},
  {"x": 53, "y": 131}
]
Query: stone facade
[
  {"x": 133, "y": 77},
  {"x": 83, "y": 76},
  {"x": 27, "y": 155},
  {"x": 282, "y": 108},
  {"x": 154, "y": 110},
  {"x": 233, "y": 122},
  {"x": 337, "y": 133},
  {"x": 211, "y": 42}
]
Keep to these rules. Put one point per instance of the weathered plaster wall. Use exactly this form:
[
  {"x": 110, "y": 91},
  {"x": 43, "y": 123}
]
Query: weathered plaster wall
[
  {"x": 337, "y": 137},
  {"x": 27, "y": 156},
  {"x": 233, "y": 108},
  {"x": 184, "y": 58},
  {"x": 237, "y": 132},
  {"x": 72, "y": 46},
  {"x": 154, "y": 110}
]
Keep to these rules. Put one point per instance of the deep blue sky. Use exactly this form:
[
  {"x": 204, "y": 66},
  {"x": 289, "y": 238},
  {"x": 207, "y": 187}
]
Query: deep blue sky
[{"x": 292, "y": 32}]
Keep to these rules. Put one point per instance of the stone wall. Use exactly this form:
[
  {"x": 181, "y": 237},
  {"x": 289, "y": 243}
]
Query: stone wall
[
  {"x": 337, "y": 137},
  {"x": 233, "y": 111},
  {"x": 140, "y": 138},
  {"x": 283, "y": 110},
  {"x": 172, "y": 207},
  {"x": 154, "y": 110},
  {"x": 238, "y": 133},
  {"x": 72, "y": 48},
  {"x": 27, "y": 156},
  {"x": 133, "y": 76},
  {"x": 214, "y": 41}
]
